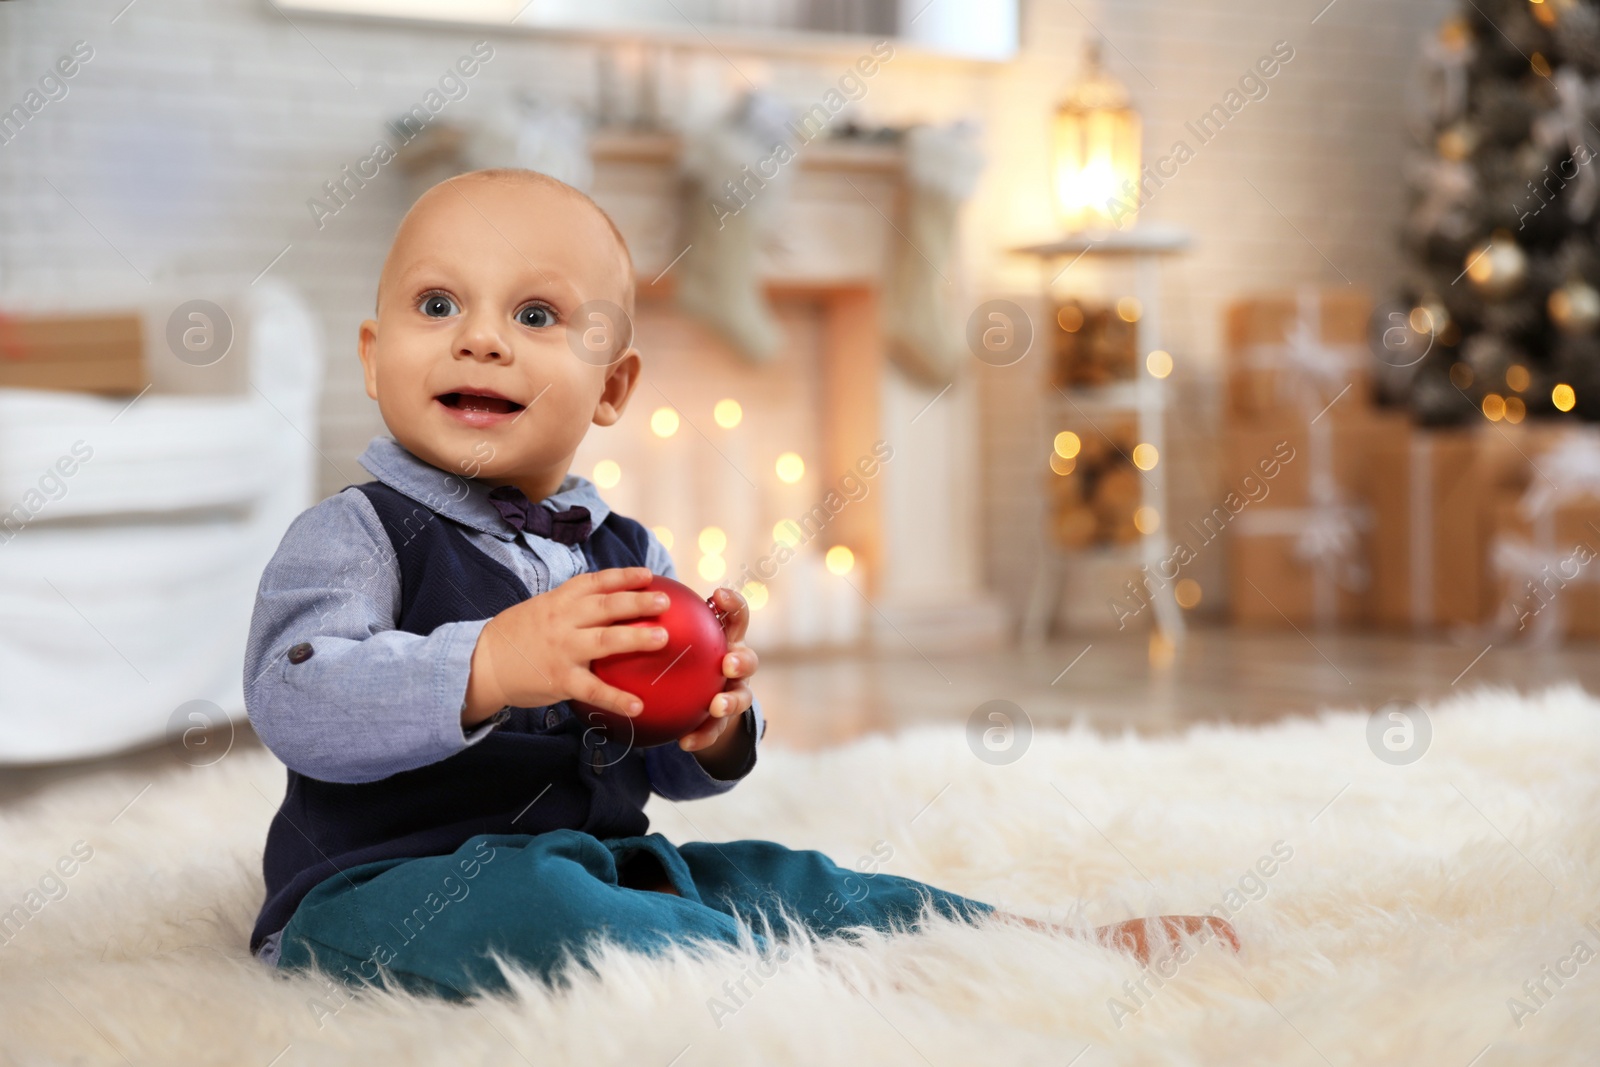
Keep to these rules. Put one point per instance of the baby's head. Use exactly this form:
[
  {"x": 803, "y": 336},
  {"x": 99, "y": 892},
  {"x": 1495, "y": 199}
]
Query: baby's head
[{"x": 503, "y": 328}]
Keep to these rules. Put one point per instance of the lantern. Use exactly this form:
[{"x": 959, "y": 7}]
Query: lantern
[{"x": 1096, "y": 152}]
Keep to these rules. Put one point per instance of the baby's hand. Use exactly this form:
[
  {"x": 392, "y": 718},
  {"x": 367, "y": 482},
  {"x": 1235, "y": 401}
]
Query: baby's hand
[
  {"x": 538, "y": 652},
  {"x": 735, "y": 698}
]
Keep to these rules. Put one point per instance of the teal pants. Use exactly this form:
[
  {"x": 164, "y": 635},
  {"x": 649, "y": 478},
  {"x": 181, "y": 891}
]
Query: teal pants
[{"x": 429, "y": 924}]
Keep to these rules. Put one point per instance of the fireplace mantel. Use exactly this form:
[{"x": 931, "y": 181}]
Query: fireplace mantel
[
  {"x": 916, "y": 532},
  {"x": 841, "y": 200}
]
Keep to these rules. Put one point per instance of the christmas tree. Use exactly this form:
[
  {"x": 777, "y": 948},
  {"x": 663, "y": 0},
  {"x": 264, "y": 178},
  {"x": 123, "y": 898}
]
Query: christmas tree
[{"x": 1501, "y": 300}]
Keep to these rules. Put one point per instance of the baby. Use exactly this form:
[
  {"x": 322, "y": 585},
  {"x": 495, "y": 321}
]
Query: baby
[{"x": 418, "y": 640}]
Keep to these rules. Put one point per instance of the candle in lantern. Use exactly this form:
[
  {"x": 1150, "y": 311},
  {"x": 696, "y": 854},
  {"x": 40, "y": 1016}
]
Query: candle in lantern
[
  {"x": 739, "y": 504},
  {"x": 784, "y": 493},
  {"x": 843, "y": 603},
  {"x": 808, "y": 584},
  {"x": 668, "y": 487},
  {"x": 765, "y": 629},
  {"x": 1096, "y": 147},
  {"x": 713, "y": 566}
]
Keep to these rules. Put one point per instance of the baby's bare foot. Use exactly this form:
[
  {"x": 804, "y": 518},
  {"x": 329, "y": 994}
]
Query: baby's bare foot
[{"x": 1134, "y": 935}]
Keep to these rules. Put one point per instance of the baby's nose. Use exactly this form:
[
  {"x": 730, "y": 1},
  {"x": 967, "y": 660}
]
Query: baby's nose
[{"x": 480, "y": 341}]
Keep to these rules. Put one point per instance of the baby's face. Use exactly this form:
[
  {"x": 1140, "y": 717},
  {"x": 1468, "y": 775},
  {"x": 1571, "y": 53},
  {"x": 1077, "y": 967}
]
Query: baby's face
[{"x": 469, "y": 357}]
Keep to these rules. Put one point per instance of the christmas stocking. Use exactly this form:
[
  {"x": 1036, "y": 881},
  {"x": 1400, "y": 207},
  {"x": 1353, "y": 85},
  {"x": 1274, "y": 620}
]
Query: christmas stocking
[
  {"x": 921, "y": 322},
  {"x": 737, "y": 175},
  {"x": 525, "y": 131}
]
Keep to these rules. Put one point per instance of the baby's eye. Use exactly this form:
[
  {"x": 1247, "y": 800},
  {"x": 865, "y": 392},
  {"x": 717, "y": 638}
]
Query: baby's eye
[
  {"x": 536, "y": 316},
  {"x": 437, "y": 306}
]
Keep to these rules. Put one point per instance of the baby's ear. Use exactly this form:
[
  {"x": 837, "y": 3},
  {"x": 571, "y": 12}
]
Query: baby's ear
[
  {"x": 367, "y": 347},
  {"x": 621, "y": 378}
]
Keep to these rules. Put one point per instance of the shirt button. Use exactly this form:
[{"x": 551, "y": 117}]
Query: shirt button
[
  {"x": 597, "y": 760},
  {"x": 301, "y": 652},
  {"x": 551, "y": 718}
]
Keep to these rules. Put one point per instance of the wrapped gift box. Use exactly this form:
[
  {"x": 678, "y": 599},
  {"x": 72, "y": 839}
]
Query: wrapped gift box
[
  {"x": 1428, "y": 550},
  {"x": 1300, "y": 351},
  {"x": 1545, "y": 584},
  {"x": 1506, "y": 451},
  {"x": 1544, "y": 542},
  {"x": 1298, "y": 504},
  {"x": 102, "y": 353}
]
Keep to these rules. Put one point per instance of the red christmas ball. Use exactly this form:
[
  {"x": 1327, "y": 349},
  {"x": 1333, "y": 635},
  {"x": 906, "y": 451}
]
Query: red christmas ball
[{"x": 676, "y": 682}]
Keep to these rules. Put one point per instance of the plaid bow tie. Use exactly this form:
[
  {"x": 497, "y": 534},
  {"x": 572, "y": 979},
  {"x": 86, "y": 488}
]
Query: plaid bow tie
[{"x": 568, "y": 527}]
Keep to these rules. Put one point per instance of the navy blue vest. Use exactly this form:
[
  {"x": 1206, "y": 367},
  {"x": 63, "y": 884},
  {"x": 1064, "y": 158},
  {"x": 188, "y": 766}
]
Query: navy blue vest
[{"x": 535, "y": 772}]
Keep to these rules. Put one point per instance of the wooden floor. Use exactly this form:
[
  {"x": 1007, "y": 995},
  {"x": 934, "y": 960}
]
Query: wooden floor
[
  {"x": 1118, "y": 681},
  {"x": 1115, "y": 681}
]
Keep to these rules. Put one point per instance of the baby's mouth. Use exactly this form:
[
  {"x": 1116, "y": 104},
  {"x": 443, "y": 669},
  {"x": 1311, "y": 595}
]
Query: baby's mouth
[{"x": 496, "y": 405}]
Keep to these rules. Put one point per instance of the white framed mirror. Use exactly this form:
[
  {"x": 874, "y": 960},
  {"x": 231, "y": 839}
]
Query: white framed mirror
[{"x": 982, "y": 30}]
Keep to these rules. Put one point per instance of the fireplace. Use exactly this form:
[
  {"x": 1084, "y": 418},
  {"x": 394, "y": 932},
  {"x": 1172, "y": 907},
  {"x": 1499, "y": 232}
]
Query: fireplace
[{"x": 834, "y": 493}]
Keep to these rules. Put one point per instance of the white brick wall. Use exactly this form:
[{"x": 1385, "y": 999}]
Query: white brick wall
[
  {"x": 194, "y": 137},
  {"x": 1324, "y": 147}
]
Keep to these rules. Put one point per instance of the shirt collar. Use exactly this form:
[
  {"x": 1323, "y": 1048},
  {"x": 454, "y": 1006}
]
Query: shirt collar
[{"x": 466, "y": 500}]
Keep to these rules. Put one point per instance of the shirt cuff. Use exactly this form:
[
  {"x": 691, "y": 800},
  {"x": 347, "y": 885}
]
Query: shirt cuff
[
  {"x": 473, "y": 734},
  {"x": 677, "y": 775},
  {"x": 455, "y": 671}
]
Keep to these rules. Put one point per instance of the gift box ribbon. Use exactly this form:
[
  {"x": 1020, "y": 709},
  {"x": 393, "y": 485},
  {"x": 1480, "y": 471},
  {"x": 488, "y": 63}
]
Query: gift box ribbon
[
  {"x": 1312, "y": 371},
  {"x": 1525, "y": 564},
  {"x": 1568, "y": 472},
  {"x": 1327, "y": 533}
]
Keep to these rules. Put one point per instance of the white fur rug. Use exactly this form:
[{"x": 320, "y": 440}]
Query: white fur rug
[{"x": 1399, "y": 923}]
